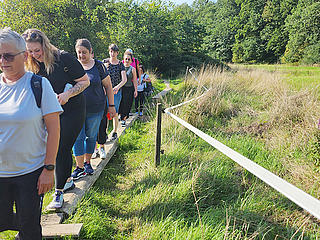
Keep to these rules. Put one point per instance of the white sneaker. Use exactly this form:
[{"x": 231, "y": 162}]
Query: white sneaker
[
  {"x": 102, "y": 153},
  {"x": 95, "y": 153},
  {"x": 57, "y": 201}
]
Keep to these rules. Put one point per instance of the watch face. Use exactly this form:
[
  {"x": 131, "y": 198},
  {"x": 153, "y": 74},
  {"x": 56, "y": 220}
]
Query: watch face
[{"x": 49, "y": 167}]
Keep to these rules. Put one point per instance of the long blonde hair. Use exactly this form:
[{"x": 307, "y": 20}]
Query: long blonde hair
[{"x": 50, "y": 52}]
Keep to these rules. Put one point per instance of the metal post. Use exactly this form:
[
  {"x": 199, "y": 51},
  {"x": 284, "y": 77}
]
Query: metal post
[{"x": 158, "y": 135}]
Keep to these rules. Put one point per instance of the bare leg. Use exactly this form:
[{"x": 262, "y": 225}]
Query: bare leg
[
  {"x": 115, "y": 123},
  {"x": 87, "y": 157},
  {"x": 80, "y": 160}
]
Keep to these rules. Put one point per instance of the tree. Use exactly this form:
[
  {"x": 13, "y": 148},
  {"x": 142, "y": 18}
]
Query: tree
[{"x": 304, "y": 33}]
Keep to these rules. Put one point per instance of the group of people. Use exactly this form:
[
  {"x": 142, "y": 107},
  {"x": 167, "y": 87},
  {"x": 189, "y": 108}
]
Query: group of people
[{"x": 53, "y": 104}]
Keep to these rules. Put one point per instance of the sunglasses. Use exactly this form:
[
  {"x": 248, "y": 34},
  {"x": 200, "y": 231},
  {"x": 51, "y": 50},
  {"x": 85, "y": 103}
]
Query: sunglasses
[
  {"x": 33, "y": 36},
  {"x": 9, "y": 57},
  {"x": 127, "y": 59}
]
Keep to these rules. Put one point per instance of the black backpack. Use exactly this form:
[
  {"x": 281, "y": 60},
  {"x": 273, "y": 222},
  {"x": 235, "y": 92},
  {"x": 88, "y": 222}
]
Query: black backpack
[{"x": 36, "y": 86}]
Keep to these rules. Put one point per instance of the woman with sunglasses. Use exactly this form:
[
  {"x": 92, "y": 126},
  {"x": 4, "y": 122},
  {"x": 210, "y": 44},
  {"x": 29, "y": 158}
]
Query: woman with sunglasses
[
  {"x": 68, "y": 80},
  {"x": 129, "y": 90},
  {"x": 95, "y": 106},
  {"x": 26, "y": 172}
]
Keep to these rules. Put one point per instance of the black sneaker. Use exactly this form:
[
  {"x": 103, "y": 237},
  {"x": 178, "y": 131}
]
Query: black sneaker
[
  {"x": 114, "y": 136},
  {"x": 78, "y": 173}
]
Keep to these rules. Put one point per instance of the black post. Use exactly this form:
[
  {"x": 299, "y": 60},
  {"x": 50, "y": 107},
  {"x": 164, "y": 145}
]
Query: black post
[{"x": 158, "y": 135}]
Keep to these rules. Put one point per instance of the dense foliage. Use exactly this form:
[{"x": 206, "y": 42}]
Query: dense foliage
[{"x": 169, "y": 37}]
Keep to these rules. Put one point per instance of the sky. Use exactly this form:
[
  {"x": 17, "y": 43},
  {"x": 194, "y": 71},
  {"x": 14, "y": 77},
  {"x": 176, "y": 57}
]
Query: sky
[{"x": 183, "y": 1}]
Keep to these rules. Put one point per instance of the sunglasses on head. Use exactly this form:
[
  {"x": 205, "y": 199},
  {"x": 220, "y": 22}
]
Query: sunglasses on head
[
  {"x": 33, "y": 36},
  {"x": 9, "y": 57}
]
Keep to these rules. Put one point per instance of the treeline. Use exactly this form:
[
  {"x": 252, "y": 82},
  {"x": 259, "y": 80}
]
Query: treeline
[{"x": 169, "y": 37}]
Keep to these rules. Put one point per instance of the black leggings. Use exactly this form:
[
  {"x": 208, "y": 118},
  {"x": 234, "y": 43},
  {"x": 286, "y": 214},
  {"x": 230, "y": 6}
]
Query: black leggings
[
  {"x": 21, "y": 191},
  {"x": 71, "y": 123},
  {"x": 102, "y": 134},
  {"x": 139, "y": 100},
  {"x": 126, "y": 101}
]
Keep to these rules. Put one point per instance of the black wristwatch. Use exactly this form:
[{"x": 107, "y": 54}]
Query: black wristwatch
[
  {"x": 49, "y": 167},
  {"x": 111, "y": 105}
]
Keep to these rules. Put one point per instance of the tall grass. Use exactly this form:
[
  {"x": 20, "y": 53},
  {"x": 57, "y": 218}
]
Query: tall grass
[{"x": 197, "y": 192}]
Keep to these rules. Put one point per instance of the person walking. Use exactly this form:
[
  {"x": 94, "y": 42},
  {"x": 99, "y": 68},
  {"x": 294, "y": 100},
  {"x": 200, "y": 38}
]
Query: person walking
[
  {"x": 68, "y": 80},
  {"x": 118, "y": 79},
  {"x": 142, "y": 84},
  {"x": 95, "y": 106},
  {"x": 129, "y": 90},
  {"x": 134, "y": 63},
  {"x": 26, "y": 172}
]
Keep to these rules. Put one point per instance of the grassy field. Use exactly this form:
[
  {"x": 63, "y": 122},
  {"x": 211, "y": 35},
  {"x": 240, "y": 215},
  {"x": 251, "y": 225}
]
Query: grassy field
[
  {"x": 198, "y": 193},
  {"x": 299, "y": 77}
]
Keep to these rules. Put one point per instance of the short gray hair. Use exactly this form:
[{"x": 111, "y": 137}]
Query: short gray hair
[{"x": 12, "y": 37}]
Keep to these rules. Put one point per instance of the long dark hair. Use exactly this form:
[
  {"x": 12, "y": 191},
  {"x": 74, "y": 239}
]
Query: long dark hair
[{"x": 142, "y": 67}]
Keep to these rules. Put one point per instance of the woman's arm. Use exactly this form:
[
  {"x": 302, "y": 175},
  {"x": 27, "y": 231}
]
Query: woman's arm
[
  {"x": 82, "y": 84},
  {"x": 134, "y": 80},
  {"x": 108, "y": 86},
  {"x": 123, "y": 82},
  {"x": 46, "y": 179}
]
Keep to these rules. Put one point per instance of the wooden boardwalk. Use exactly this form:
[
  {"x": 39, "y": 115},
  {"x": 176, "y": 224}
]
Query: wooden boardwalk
[{"x": 51, "y": 220}]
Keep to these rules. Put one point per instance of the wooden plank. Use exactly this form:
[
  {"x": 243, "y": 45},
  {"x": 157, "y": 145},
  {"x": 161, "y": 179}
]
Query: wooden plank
[
  {"x": 59, "y": 230},
  {"x": 163, "y": 92},
  {"x": 50, "y": 219}
]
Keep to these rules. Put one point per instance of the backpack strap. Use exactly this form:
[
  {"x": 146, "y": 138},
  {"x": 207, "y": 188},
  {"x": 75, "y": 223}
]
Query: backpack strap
[
  {"x": 101, "y": 68},
  {"x": 129, "y": 70},
  {"x": 36, "y": 86},
  {"x": 137, "y": 70}
]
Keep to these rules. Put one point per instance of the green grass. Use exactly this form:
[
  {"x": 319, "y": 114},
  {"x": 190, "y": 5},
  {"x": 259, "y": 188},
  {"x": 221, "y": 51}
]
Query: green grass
[
  {"x": 197, "y": 192},
  {"x": 134, "y": 200},
  {"x": 299, "y": 77}
]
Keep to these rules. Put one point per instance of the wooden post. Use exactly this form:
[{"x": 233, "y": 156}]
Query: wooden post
[
  {"x": 185, "y": 75},
  {"x": 158, "y": 135}
]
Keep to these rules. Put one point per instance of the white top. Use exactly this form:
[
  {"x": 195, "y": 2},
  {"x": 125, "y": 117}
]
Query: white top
[
  {"x": 141, "y": 83},
  {"x": 22, "y": 130}
]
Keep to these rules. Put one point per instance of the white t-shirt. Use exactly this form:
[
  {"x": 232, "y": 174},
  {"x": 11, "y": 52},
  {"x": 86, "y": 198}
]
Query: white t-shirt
[
  {"x": 141, "y": 83},
  {"x": 23, "y": 135}
]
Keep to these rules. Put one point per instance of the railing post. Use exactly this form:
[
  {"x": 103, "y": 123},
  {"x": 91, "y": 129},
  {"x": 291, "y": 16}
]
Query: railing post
[{"x": 158, "y": 135}]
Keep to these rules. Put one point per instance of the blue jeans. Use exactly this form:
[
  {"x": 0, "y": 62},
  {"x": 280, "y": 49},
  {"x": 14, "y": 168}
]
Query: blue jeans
[
  {"x": 86, "y": 141},
  {"x": 117, "y": 100}
]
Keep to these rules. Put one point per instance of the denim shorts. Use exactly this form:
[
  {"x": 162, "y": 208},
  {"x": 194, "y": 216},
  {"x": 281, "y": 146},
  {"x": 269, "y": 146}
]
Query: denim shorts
[{"x": 117, "y": 100}]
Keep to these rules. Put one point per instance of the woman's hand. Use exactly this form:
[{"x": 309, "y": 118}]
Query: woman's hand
[
  {"x": 112, "y": 111},
  {"x": 135, "y": 93},
  {"x": 115, "y": 90},
  {"x": 45, "y": 181},
  {"x": 63, "y": 98}
]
